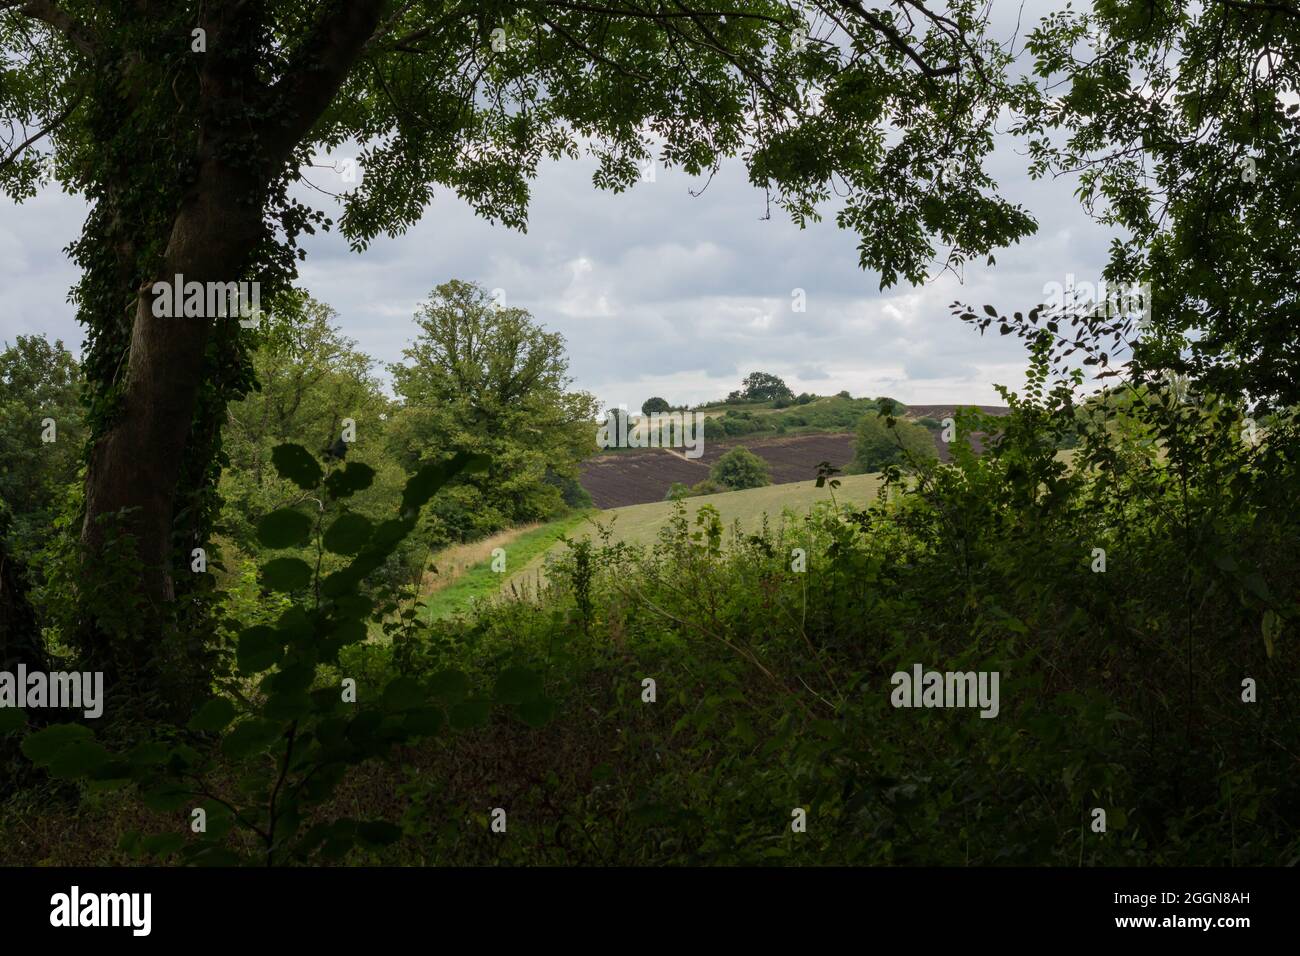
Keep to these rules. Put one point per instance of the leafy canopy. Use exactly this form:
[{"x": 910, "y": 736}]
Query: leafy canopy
[
  {"x": 488, "y": 378},
  {"x": 1183, "y": 129},
  {"x": 883, "y": 440},
  {"x": 883, "y": 106}
]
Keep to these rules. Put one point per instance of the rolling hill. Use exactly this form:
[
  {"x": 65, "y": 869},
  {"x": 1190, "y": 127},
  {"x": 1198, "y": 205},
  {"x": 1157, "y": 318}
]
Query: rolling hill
[
  {"x": 643, "y": 475},
  {"x": 641, "y": 523}
]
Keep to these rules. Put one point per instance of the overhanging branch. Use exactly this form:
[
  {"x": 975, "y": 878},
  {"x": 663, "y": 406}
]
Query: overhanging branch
[
  {"x": 45, "y": 130},
  {"x": 53, "y": 15},
  {"x": 318, "y": 70}
]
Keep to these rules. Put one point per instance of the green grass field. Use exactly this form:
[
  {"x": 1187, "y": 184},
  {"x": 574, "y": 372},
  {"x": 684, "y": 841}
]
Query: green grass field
[
  {"x": 635, "y": 524},
  {"x": 481, "y": 581},
  {"x": 640, "y": 524}
]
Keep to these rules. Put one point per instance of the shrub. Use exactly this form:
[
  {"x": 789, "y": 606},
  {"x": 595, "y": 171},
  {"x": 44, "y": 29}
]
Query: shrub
[
  {"x": 677, "y": 491},
  {"x": 740, "y": 468},
  {"x": 707, "y": 487},
  {"x": 882, "y": 442},
  {"x": 290, "y": 728}
]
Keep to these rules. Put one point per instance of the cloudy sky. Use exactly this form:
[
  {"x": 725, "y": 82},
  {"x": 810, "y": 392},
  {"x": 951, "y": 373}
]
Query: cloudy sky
[{"x": 656, "y": 291}]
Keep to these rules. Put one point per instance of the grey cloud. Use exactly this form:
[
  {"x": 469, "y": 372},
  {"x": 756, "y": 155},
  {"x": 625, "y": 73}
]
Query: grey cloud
[{"x": 655, "y": 290}]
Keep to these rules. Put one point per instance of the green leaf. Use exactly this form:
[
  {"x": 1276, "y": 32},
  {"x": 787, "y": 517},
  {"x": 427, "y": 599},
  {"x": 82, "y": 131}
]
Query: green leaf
[
  {"x": 260, "y": 648},
  {"x": 1257, "y": 585},
  {"x": 42, "y": 747},
  {"x": 389, "y": 534},
  {"x": 424, "y": 484},
  {"x": 424, "y": 722},
  {"x": 477, "y": 464},
  {"x": 451, "y": 686},
  {"x": 348, "y": 534},
  {"x": 162, "y": 844},
  {"x": 348, "y": 480},
  {"x": 11, "y": 718},
  {"x": 378, "y": 832},
  {"x": 216, "y": 856},
  {"x": 295, "y": 625},
  {"x": 353, "y": 607},
  {"x": 518, "y": 684},
  {"x": 293, "y": 679},
  {"x": 1271, "y": 626},
  {"x": 362, "y": 729},
  {"x": 184, "y": 756},
  {"x": 403, "y": 693},
  {"x": 651, "y": 814},
  {"x": 336, "y": 847},
  {"x": 283, "y": 528},
  {"x": 470, "y": 713},
  {"x": 742, "y": 730},
  {"x": 286, "y": 574},
  {"x": 295, "y": 463},
  {"x": 129, "y": 843},
  {"x": 214, "y": 715},
  {"x": 250, "y": 737},
  {"x": 349, "y": 632},
  {"x": 79, "y": 758},
  {"x": 287, "y": 706},
  {"x": 341, "y": 583},
  {"x": 165, "y": 799},
  {"x": 111, "y": 774},
  {"x": 537, "y": 712},
  {"x": 147, "y": 754}
]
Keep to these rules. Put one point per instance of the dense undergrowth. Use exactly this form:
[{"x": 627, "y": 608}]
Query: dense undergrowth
[{"x": 681, "y": 703}]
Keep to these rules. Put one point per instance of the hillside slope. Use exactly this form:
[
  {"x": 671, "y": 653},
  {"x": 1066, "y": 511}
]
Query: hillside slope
[
  {"x": 640, "y": 524},
  {"x": 643, "y": 475}
]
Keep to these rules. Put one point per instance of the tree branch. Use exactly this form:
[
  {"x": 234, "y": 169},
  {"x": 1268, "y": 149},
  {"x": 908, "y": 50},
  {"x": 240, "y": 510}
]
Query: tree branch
[
  {"x": 897, "y": 40},
  {"x": 52, "y": 14},
  {"x": 44, "y": 131},
  {"x": 319, "y": 69}
]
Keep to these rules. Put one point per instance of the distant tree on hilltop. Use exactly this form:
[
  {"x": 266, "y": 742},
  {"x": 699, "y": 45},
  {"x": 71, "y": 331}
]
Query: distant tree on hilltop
[{"x": 764, "y": 387}]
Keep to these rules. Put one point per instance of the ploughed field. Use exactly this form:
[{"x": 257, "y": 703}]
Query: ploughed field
[{"x": 640, "y": 475}]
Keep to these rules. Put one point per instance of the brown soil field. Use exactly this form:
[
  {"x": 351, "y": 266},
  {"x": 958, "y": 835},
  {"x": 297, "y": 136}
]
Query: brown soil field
[
  {"x": 645, "y": 475},
  {"x": 789, "y": 457},
  {"x": 633, "y": 478}
]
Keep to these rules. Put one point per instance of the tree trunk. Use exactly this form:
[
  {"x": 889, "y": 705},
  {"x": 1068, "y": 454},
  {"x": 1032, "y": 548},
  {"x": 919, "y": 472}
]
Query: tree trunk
[
  {"x": 247, "y": 133},
  {"x": 135, "y": 464}
]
